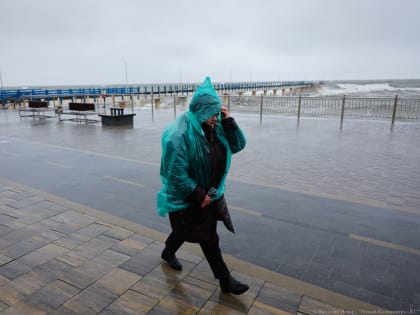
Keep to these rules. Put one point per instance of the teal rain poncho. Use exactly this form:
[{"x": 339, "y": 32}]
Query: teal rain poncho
[{"x": 185, "y": 162}]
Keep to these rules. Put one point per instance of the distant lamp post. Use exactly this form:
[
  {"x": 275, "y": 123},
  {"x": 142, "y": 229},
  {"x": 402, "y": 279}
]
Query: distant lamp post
[
  {"x": 2, "y": 96},
  {"x": 180, "y": 80},
  {"x": 126, "y": 74}
]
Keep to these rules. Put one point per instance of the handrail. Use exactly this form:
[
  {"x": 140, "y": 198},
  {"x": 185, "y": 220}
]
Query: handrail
[{"x": 339, "y": 106}]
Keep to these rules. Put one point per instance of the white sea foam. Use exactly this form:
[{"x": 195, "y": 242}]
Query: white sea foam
[
  {"x": 363, "y": 89},
  {"x": 259, "y": 92}
]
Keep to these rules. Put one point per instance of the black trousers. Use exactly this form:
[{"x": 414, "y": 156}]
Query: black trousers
[{"x": 211, "y": 250}]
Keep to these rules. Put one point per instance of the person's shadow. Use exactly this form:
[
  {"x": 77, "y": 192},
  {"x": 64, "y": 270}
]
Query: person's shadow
[
  {"x": 232, "y": 301},
  {"x": 174, "y": 279}
]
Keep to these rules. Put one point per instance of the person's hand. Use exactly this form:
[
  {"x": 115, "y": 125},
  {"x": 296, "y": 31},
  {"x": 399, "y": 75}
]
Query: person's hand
[
  {"x": 225, "y": 112},
  {"x": 206, "y": 201}
]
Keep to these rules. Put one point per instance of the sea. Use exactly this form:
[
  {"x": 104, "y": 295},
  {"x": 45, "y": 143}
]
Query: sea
[{"x": 371, "y": 88}]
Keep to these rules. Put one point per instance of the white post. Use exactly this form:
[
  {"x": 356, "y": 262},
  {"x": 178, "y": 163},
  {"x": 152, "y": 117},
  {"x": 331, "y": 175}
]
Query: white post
[{"x": 126, "y": 75}]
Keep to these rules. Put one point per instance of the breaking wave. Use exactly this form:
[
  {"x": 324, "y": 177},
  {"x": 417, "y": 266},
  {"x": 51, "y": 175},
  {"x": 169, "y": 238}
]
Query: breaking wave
[{"x": 367, "y": 89}]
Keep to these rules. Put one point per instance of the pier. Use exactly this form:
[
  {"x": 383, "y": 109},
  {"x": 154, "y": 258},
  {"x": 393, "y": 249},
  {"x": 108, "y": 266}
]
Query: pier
[{"x": 18, "y": 95}]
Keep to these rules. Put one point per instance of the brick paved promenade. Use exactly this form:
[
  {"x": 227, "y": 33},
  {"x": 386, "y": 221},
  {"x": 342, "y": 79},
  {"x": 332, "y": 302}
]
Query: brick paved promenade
[{"x": 58, "y": 257}]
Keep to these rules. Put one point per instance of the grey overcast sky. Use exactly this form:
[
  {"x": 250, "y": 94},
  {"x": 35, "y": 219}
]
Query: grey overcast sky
[{"x": 66, "y": 42}]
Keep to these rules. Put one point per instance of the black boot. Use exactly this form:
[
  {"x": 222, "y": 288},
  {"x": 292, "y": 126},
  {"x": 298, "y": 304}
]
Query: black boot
[
  {"x": 231, "y": 285},
  {"x": 171, "y": 260}
]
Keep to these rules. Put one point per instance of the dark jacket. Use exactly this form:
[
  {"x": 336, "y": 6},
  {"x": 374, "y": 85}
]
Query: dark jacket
[{"x": 197, "y": 224}]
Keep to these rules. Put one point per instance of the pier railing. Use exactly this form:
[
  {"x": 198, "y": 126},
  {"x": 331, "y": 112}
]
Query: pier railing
[{"x": 11, "y": 95}]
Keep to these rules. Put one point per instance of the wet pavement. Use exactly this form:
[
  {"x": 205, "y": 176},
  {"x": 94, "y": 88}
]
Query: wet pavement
[
  {"x": 59, "y": 257},
  {"x": 335, "y": 209}
]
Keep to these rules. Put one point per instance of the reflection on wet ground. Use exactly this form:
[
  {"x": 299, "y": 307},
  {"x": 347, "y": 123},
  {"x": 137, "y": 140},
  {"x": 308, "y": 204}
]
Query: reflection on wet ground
[{"x": 366, "y": 161}]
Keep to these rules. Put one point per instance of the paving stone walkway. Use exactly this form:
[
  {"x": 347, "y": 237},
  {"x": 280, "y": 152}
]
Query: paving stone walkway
[{"x": 58, "y": 257}]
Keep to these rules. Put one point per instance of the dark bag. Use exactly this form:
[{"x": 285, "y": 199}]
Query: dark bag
[{"x": 223, "y": 214}]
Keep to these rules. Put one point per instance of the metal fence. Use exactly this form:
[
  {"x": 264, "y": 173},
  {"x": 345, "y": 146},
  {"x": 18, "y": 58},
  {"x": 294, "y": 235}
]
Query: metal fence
[
  {"x": 392, "y": 108},
  {"x": 387, "y": 108}
]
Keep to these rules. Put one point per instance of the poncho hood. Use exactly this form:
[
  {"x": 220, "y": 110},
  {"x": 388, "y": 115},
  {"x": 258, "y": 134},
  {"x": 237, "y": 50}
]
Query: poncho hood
[{"x": 205, "y": 102}]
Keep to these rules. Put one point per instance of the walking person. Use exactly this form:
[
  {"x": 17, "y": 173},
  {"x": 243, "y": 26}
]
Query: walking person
[{"x": 196, "y": 156}]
